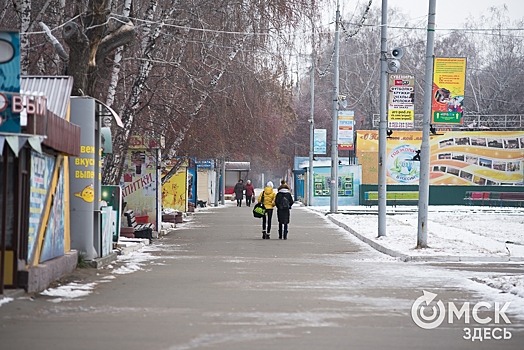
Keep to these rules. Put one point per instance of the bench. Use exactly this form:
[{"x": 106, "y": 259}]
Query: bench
[
  {"x": 493, "y": 198},
  {"x": 392, "y": 197},
  {"x": 476, "y": 197},
  {"x": 140, "y": 230},
  {"x": 175, "y": 217}
]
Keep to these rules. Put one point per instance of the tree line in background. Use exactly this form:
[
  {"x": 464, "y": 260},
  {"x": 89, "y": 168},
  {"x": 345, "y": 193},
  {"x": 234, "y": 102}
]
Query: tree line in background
[
  {"x": 493, "y": 46},
  {"x": 222, "y": 79},
  {"x": 209, "y": 76}
]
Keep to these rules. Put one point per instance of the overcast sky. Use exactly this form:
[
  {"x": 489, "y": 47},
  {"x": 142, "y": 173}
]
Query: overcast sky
[{"x": 450, "y": 13}]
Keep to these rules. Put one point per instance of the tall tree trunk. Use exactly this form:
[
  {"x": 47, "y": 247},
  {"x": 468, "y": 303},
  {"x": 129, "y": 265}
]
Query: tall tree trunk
[
  {"x": 23, "y": 7},
  {"x": 111, "y": 91},
  {"x": 78, "y": 55},
  {"x": 114, "y": 163},
  {"x": 95, "y": 20}
]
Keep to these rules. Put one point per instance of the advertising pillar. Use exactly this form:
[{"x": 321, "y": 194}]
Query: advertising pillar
[{"x": 84, "y": 201}]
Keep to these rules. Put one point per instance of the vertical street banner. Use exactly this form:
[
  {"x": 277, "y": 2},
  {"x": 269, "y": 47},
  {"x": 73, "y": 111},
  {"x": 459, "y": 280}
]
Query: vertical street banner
[
  {"x": 449, "y": 80},
  {"x": 319, "y": 141},
  {"x": 346, "y": 129},
  {"x": 401, "y": 101}
]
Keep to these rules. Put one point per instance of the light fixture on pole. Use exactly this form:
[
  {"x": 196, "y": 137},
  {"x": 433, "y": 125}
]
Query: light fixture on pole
[{"x": 342, "y": 101}]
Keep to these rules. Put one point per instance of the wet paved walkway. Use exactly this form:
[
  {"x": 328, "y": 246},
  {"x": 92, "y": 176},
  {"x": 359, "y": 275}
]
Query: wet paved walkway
[{"x": 215, "y": 284}]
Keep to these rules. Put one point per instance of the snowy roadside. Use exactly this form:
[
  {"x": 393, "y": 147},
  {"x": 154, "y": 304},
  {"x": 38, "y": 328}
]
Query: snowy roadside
[
  {"x": 455, "y": 234},
  {"x": 134, "y": 256},
  {"x": 466, "y": 233}
]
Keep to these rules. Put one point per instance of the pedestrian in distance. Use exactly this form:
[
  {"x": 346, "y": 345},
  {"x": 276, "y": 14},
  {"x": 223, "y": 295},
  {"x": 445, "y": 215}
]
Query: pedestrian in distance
[
  {"x": 283, "y": 202},
  {"x": 250, "y": 193},
  {"x": 239, "y": 192},
  {"x": 267, "y": 197}
]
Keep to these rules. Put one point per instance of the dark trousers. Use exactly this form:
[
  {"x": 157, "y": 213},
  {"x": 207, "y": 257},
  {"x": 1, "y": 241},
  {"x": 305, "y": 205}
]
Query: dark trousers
[
  {"x": 282, "y": 228},
  {"x": 248, "y": 200},
  {"x": 267, "y": 219},
  {"x": 239, "y": 202}
]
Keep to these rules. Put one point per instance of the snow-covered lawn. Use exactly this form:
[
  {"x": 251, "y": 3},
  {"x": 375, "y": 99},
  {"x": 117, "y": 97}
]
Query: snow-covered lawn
[
  {"x": 483, "y": 233},
  {"x": 455, "y": 233}
]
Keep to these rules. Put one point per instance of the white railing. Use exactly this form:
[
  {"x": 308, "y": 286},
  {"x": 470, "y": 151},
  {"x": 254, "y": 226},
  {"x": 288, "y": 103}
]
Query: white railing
[{"x": 474, "y": 122}]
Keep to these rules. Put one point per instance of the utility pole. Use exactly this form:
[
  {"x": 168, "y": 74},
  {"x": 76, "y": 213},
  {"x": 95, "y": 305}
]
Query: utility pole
[
  {"x": 382, "y": 140},
  {"x": 223, "y": 190},
  {"x": 311, "y": 123},
  {"x": 217, "y": 181},
  {"x": 311, "y": 117},
  {"x": 333, "y": 204},
  {"x": 423, "y": 202}
]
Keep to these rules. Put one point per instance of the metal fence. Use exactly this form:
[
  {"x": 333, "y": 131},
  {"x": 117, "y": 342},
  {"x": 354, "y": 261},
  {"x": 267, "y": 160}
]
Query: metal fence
[{"x": 474, "y": 122}]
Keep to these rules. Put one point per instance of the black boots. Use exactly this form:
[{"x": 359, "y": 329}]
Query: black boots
[{"x": 265, "y": 235}]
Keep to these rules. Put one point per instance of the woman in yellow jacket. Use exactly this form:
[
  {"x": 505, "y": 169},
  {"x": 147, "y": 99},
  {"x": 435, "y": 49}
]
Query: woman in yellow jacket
[{"x": 267, "y": 197}]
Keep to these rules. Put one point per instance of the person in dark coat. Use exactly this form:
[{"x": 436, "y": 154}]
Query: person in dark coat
[
  {"x": 283, "y": 202},
  {"x": 239, "y": 192},
  {"x": 250, "y": 192}
]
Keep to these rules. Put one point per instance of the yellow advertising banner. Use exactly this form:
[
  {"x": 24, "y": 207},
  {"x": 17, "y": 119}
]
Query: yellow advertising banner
[
  {"x": 174, "y": 191},
  {"x": 449, "y": 80},
  {"x": 456, "y": 157}
]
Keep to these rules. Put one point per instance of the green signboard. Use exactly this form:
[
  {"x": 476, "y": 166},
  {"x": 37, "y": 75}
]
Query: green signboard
[{"x": 447, "y": 117}]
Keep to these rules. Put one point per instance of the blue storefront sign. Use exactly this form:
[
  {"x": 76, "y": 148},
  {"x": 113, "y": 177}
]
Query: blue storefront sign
[
  {"x": 205, "y": 164},
  {"x": 9, "y": 80}
]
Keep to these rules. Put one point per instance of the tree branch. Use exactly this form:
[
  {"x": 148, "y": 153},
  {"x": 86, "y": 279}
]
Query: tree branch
[
  {"x": 116, "y": 39},
  {"x": 54, "y": 41},
  {"x": 78, "y": 55}
]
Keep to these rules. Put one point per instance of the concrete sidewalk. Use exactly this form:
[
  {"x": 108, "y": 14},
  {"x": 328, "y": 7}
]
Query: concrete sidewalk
[{"x": 215, "y": 284}]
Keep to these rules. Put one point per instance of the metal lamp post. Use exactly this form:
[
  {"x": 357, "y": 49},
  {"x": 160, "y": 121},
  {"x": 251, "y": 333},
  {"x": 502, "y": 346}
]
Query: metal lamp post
[
  {"x": 333, "y": 203},
  {"x": 423, "y": 203},
  {"x": 383, "y": 124},
  {"x": 311, "y": 124}
]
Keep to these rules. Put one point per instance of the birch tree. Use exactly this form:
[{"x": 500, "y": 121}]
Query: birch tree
[
  {"x": 23, "y": 10},
  {"x": 113, "y": 166},
  {"x": 90, "y": 39},
  {"x": 190, "y": 57},
  {"x": 115, "y": 71}
]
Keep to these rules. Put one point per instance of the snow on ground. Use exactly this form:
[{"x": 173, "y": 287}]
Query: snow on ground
[
  {"x": 466, "y": 232},
  {"x": 5, "y": 300},
  {"x": 455, "y": 233}
]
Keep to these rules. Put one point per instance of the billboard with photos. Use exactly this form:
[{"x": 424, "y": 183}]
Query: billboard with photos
[{"x": 457, "y": 157}]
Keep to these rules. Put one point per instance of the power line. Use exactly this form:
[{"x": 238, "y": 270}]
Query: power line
[
  {"x": 359, "y": 24},
  {"x": 55, "y": 28}
]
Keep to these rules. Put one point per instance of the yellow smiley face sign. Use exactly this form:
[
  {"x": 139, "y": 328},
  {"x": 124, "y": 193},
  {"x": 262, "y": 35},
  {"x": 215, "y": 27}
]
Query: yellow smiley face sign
[{"x": 87, "y": 194}]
